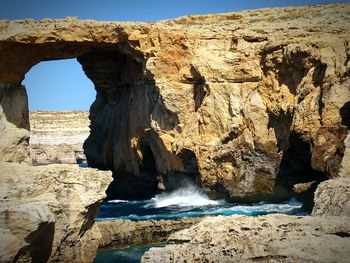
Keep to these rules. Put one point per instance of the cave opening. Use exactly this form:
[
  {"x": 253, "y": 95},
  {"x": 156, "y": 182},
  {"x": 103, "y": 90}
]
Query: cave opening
[
  {"x": 189, "y": 176},
  {"x": 59, "y": 96},
  {"x": 148, "y": 160},
  {"x": 345, "y": 114},
  {"x": 296, "y": 170}
]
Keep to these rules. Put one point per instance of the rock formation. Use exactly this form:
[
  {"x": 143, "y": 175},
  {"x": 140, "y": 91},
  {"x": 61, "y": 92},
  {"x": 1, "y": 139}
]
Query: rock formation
[
  {"x": 274, "y": 238},
  {"x": 246, "y": 104},
  {"x": 332, "y": 198},
  {"x": 14, "y": 124},
  {"x": 119, "y": 233},
  {"x": 58, "y": 136},
  {"x": 46, "y": 212}
]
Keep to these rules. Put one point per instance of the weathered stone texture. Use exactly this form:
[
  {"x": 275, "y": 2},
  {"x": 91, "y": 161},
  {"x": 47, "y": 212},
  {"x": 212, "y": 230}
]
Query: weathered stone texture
[
  {"x": 247, "y": 104},
  {"x": 46, "y": 212},
  {"x": 273, "y": 238},
  {"x": 332, "y": 198},
  {"x": 121, "y": 233}
]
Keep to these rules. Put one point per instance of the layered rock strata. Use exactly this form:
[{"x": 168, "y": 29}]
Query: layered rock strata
[
  {"x": 245, "y": 104},
  {"x": 46, "y": 212},
  {"x": 274, "y": 238},
  {"x": 58, "y": 136}
]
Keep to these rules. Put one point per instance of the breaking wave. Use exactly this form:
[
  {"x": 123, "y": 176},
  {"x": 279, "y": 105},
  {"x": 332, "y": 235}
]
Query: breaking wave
[
  {"x": 189, "y": 202},
  {"x": 184, "y": 197}
]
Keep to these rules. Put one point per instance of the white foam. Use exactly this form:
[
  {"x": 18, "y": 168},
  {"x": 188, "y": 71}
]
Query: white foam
[
  {"x": 118, "y": 201},
  {"x": 189, "y": 196}
]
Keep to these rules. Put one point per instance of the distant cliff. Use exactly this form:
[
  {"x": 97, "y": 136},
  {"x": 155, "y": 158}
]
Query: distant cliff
[{"x": 58, "y": 136}]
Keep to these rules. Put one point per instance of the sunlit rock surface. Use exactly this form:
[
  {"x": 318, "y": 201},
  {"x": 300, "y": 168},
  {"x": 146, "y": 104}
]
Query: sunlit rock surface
[
  {"x": 46, "y": 212},
  {"x": 119, "y": 233},
  {"x": 332, "y": 198},
  {"x": 273, "y": 238},
  {"x": 58, "y": 136}
]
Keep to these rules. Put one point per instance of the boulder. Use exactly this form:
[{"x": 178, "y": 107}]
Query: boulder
[{"x": 332, "y": 198}]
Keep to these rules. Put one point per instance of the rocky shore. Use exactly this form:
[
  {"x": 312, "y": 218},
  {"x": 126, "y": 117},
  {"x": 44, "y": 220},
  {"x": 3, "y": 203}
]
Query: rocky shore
[
  {"x": 121, "y": 233},
  {"x": 323, "y": 237},
  {"x": 273, "y": 238}
]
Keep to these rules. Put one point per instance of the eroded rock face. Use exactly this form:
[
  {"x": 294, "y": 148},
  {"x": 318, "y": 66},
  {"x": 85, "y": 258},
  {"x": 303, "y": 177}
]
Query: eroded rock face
[
  {"x": 58, "y": 136},
  {"x": 332, "y": 198},
  {"x": 264, "y": 239},
  {"x": 121, "y": 233},
  {"x": 46, "y": 212},
  {"x": 245, "y": 104}
]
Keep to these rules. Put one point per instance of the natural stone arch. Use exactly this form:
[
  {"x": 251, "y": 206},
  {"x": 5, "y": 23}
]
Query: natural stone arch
[{"x": 127, "y": 99}]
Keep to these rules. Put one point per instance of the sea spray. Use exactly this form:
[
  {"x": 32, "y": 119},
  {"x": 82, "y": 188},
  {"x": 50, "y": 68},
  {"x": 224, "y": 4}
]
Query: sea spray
[{"x": 189, "y": 196}]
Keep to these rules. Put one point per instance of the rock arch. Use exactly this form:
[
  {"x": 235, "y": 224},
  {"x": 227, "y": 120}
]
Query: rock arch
[
  {"x": 187, "y": 85},
  {"x": 127, "y": 102}
]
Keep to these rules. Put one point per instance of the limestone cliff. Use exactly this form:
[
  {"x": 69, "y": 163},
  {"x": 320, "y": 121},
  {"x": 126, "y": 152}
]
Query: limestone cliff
[
  {"x": 246, "y": 104},
  {"x": 58, "y": 136}
]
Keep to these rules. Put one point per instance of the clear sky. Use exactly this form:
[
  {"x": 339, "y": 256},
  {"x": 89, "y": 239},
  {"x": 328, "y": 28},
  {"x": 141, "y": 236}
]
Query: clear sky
[{"x": 62, "y": 85}]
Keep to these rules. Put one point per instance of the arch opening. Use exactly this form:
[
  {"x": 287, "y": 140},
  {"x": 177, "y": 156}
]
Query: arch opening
[
  {"x": 59, "y": 96},
  {"x": 119, "y": 127}
]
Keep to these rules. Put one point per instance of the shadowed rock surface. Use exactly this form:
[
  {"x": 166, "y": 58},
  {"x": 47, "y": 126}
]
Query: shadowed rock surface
[{"x": 14, "y": 124}]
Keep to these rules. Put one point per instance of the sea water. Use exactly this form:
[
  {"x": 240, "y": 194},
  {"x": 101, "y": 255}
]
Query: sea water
[
  {"x": 185, "y": 202},
  {"x": 188, "y": 202},
  {"x": 130, "y": 254}
]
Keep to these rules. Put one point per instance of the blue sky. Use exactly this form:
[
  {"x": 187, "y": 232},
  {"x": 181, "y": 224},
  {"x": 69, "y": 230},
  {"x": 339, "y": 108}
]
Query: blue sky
[{"x": 62, "y": 85}]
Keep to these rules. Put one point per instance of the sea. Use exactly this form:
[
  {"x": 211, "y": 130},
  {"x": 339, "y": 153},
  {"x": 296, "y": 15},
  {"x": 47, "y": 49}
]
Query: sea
[{"x": 185, "y": 202}]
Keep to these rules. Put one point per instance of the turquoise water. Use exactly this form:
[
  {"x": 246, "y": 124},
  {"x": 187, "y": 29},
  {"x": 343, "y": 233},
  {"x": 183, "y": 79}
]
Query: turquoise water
[
  {"x": 188, "y": 202},
  {"x": 124, "y": 255}
]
